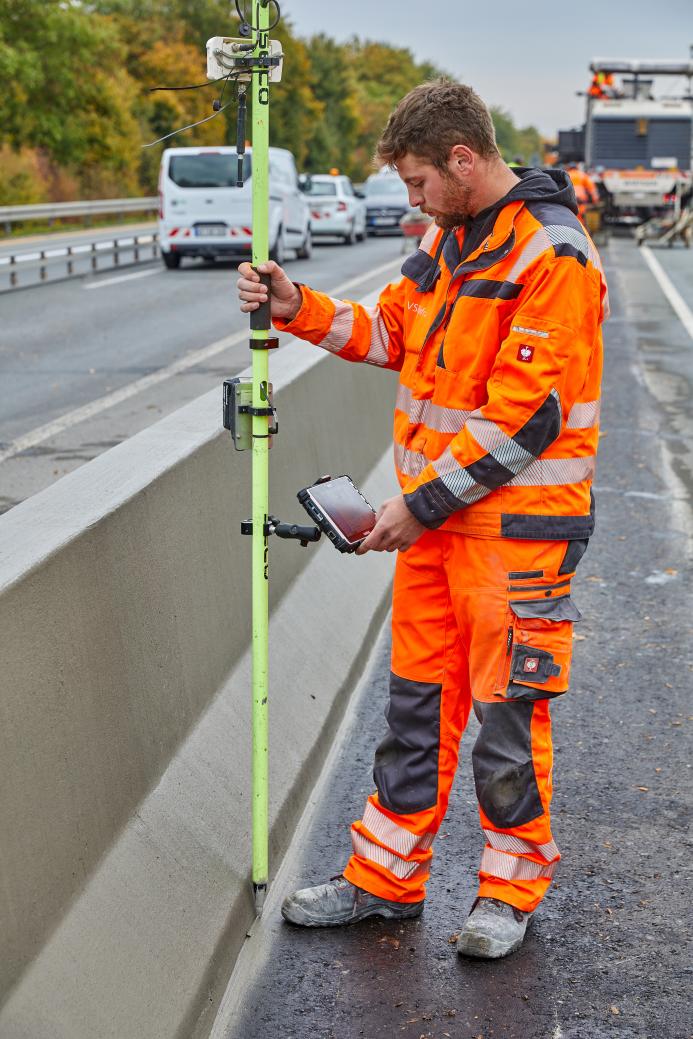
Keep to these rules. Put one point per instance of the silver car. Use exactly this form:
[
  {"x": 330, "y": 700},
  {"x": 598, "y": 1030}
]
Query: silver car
[{"x": 334, "y": 208}]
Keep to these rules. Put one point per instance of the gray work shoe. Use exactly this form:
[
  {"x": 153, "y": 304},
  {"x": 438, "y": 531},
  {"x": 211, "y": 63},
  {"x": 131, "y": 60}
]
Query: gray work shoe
[
  {"x": 339, "y": 903},
  {"x": 493, "y": 929}
]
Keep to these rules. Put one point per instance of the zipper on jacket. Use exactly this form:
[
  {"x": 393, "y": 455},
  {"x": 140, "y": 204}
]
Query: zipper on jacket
[{"x": 509, "y": 641}]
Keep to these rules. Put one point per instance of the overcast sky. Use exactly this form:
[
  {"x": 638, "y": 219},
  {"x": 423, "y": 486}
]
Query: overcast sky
[{"x": 529, "y": 58}]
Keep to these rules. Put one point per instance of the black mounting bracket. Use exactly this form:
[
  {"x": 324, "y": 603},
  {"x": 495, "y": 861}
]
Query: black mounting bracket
[{"x": 286, "y": 531}]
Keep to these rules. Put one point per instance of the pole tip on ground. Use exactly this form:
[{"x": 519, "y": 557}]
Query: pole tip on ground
[{"x": 259, "y": 893}]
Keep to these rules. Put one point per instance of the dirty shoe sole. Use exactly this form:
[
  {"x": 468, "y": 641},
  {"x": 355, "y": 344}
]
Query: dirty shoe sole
[
  {"x": 296, "y": 914},
  {"x": 481, "y": 947}
]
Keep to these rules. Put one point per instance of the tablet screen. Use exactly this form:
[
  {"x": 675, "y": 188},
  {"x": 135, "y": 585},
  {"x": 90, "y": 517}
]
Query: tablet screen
[{"x": 344, "y": 506}]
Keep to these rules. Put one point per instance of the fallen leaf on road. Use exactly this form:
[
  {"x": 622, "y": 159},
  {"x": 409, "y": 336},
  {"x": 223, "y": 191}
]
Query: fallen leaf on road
[
  {"x": 670, "y": 570},
  {"x": 394, "y": 942},
  {"x": 453, "y": 938},
  {"x": 615, "y": 1010},
  {"x": 644, "y": 788}
]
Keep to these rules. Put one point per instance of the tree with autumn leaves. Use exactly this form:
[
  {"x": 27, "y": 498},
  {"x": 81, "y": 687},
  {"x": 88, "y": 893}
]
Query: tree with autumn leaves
[{"x": 77, "y": 103}]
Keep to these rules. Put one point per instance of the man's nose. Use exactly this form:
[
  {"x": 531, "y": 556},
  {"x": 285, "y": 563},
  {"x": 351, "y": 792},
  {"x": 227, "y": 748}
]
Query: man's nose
[{"x": 415, "y": 197}]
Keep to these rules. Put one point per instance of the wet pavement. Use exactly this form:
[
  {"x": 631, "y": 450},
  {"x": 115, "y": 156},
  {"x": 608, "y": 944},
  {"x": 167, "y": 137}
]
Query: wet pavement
[{"x": 609, "y": 953}]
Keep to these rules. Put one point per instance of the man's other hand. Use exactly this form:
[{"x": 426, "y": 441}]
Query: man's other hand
[
  {"x": 285, "y": 297},
  {"x": 395, "y": 528}
]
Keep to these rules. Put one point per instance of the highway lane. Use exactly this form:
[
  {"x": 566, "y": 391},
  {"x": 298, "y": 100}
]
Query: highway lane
[{"x": 66, "y": 345}]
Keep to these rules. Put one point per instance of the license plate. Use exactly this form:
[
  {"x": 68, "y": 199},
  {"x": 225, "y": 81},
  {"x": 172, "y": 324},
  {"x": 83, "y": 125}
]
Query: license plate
[
  {"x": 209, "y": 229},
  {"x": 384, "y": 221}
]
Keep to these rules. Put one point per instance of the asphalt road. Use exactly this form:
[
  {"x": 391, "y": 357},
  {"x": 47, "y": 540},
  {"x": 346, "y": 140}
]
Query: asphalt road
[
  {"x": 609, "y": 954},
  {"x": 142, "y": 342}
]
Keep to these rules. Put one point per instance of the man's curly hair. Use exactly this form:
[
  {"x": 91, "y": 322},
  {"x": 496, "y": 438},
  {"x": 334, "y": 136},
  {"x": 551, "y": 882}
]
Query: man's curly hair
[{"x": 434, "y": 117}]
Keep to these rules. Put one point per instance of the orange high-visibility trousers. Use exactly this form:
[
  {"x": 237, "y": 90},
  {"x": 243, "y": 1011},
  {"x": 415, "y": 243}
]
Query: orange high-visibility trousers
[{"x": 482, "y": 622}]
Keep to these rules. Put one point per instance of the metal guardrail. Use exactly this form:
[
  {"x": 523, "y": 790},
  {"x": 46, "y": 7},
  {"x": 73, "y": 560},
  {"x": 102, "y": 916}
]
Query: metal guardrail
[
  {"x": 77, "y": 260},
  {"x": 55, "y": 210}
]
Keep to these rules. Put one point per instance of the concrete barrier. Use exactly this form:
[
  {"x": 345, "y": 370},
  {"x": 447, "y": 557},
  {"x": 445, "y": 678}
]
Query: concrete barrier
[{"x": 125, "y": 707}]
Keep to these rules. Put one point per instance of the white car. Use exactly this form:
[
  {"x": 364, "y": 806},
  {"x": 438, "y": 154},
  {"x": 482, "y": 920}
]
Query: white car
[
  {"x": 334, "y": 207},
  {"x": 203, "y": 213}
]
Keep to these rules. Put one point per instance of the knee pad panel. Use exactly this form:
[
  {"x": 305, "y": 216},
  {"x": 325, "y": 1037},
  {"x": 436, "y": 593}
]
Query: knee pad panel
[
  {"x": 504, "y": 776},
  {"x": 406, "y": 762}
]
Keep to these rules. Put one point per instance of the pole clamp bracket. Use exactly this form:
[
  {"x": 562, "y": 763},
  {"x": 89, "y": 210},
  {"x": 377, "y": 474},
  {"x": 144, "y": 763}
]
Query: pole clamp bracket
[
  {"x": 248, "y": 409},
  {"x": 264, "y": 344}
]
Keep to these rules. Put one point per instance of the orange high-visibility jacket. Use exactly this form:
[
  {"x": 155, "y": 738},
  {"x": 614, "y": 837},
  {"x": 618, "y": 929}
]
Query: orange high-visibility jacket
[
  {"x": 495, "y": 330},
  {"x": 584, "y": 187}
]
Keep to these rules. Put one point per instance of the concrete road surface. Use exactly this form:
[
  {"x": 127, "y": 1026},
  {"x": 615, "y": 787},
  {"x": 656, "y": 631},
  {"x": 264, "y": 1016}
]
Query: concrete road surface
[{"x": 609, "y": 954}]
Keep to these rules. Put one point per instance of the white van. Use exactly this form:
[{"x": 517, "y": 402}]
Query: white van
[{"x": 203, "y": 213}]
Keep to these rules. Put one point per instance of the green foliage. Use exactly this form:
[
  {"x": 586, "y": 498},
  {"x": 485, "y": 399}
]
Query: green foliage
[
  {"x": 382, "y": 75},
  {"x": 525, "y": 144},
  {"x": 76, "y": 105}
]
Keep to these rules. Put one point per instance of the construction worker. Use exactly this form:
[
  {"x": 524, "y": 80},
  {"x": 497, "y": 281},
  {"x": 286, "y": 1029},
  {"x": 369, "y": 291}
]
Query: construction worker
[
  {"x": 494, "y": 329},
  {"x": 585, "y": 189}
]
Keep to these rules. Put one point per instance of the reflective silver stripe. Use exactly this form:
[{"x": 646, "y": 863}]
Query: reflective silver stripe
[
  {"x": 457, "y": 480},
  {"x": 410, "y": 463},
  {"x": 542, "y": 239},
  {"x": 380, "y": 338},
  {"x": 561, "y": 235},
  {"x": 508, "y": 867},
  {"x": 369, "y": 850},
  {"x": 341, "y": 328},
  {"x": 584, "y": 416},
  {"x": 507, "y": 842},
  {"x": 396, "y": 837},
  {"x": 433, "y": 416},
  {"x": 530, "y": 331},
  {"x": 446, "y": 420},
  {"x": 554, "y": 472},
  {"x": 403, "y": 399},
  {"x": 498, "y": 444},
  {"x": 537, "y": 244}
]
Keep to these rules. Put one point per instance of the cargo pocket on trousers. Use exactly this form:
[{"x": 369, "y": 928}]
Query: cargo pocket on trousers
[{"x": 541, "y": 649}]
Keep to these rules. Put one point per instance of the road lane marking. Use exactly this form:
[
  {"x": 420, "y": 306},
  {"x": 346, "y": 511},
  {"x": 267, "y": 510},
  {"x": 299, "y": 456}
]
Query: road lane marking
[
  {"x": 670, "y": 291},
  {"x": 72, "y": 418},
  {"x": 121, "y": 277}
]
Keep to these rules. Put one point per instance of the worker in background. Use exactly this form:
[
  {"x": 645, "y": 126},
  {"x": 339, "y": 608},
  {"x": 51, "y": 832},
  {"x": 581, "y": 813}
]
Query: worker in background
[
  {"x": 494, "y": 328},
  {"x": 516, "y": 162},
  {"x": 584, "y": 187}
]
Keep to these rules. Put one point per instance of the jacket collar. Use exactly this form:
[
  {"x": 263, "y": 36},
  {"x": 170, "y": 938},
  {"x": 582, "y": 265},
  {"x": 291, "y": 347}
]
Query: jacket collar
[{"x": 497, "y": 244}]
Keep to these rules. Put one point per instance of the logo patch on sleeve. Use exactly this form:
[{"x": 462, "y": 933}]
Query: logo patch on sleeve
[
  {"x": 531, "y": 665},
  {"x": 525, "y": 353}
]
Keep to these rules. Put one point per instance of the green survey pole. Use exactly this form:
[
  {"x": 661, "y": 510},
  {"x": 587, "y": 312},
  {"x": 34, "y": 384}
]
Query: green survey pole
[
  {"x": 260, "y": 326},
  {"x": 248, "y": 409}
]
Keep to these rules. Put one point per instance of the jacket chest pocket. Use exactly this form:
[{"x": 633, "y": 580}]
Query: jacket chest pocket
[{"x": 473, "y": 334}]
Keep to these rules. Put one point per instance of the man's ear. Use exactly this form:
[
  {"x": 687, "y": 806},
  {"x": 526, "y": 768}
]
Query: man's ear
[{"x": 461, "y": 161}]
